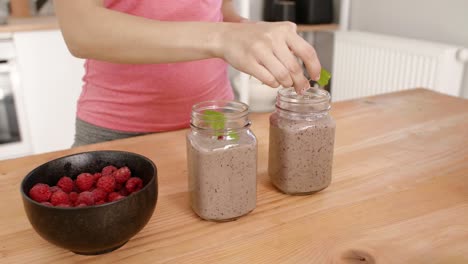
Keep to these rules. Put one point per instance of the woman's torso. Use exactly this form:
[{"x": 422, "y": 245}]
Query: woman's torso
[{"x": 153, "y": 97}]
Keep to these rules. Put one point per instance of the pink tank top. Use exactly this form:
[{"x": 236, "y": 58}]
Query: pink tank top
[{"x": 153, "y": 97}]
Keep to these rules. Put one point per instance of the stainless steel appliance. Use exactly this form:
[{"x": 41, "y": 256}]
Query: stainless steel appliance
[
  {"x": 314, "y": 11},
  {"x": 14, "y": 140},
  {"x": 279, "y": 10}
]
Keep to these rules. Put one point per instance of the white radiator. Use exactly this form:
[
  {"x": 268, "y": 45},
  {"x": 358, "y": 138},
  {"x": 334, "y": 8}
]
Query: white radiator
[{"x": 367, "y": 64}]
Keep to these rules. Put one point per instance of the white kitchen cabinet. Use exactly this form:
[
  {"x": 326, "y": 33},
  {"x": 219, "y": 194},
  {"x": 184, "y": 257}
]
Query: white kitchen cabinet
[{"x": 51, "y": 81}]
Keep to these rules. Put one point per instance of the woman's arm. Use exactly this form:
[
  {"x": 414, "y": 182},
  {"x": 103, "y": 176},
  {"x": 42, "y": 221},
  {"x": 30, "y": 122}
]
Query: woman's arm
[
  {"x": 92, "y": 31},
  {"x": 263, "y": 50}
]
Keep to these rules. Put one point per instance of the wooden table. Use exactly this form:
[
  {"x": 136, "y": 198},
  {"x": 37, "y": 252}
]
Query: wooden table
[{"x": 399, "y": 195}]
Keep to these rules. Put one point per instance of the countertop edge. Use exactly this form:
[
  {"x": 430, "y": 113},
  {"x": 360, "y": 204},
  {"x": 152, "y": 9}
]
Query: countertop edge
[{"x": 30, "y": 24}]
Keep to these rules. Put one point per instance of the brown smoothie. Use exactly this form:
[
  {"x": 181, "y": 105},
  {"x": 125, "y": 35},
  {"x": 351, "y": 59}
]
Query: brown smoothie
[
  {"x": 222, "y": 180},
  {"x": 301, "y": 154}
]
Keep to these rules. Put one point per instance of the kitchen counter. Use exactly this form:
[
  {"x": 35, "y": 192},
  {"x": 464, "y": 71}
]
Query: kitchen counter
[
  {"x": 399, "y": 195},
  {"x": 30, "y": 24}
]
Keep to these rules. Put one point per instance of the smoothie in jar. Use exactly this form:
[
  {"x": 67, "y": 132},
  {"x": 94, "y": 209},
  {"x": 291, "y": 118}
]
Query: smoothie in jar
[
  {"x": 302, "y": 136},
  {"x": 222, "y": 170}
]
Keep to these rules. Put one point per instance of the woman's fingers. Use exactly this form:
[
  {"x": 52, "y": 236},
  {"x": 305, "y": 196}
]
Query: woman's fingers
[
  {"x": 307, "y": 54},
  {"x": 276, "y": 68},
  {"x": 262, "y": 74},
  {"x": 290, "y": 62}
]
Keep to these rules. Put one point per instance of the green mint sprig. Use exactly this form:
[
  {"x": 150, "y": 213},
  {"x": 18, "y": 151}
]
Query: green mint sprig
[
  {"x": 324, "y": 78},
  {"x": 217, "y": 122}
]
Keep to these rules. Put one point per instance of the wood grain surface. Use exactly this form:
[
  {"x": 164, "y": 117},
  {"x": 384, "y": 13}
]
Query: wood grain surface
[{"x": 399, "y": 195}]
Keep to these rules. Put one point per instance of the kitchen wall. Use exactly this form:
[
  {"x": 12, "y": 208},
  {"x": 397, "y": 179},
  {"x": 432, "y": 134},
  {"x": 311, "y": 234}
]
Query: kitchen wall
[{"x": 433, "y": 20}]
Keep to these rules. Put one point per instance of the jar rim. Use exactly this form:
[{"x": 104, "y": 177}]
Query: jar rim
[
  {"x": 312, "y": 95},
  {"x": 314, "y": 100},
  {"x": 234, "y": 109},
  {"x": 229, "y": 115}
]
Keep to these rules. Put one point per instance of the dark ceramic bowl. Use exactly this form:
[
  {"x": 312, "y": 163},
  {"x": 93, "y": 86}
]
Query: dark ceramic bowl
[{"x": 95, "y": 229}]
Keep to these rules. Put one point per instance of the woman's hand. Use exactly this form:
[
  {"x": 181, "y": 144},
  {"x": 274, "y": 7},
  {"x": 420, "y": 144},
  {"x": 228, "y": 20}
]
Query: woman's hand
[{"x": 270, "y": 53}]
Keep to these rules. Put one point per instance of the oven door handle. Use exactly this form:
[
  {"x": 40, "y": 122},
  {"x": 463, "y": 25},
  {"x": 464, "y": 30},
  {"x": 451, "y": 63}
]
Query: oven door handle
[{"x": 5, "y": 67}]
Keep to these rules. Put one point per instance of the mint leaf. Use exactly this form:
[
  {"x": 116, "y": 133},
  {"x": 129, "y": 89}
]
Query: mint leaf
[
  {"x": 324, "y": 78},
  {"x": 233, "y": 135},
  {"x": 217, "y": 121}
]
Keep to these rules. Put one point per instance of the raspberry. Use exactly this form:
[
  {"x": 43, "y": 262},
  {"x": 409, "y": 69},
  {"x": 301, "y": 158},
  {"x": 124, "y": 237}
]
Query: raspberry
[
  {"x": 108, "y": 170},
  {"x": 113, "y": 196},
  {"x": 66, "y": 184},
  {"x": 119, "y": 186},
  {"x": 85, "y": 181},
  {"x": 54, "y": 189},
  {"x": 73, "y": 196},
  {"x": 97, "y": 175},
  {"x": 134, "y": 184},
  {"x": 47, "y": 203},
  {"x": 106, "y": 183},
  {"x": 124, "y": 192},
  {"x": 100, "y": 202},
  {"x": 40, "y": 192},
  {"x": 81, "y": 205},
  {"x": 59, "y": 197},
  {"x": 85, "y": 198},
  {"x": 99, "y": 195},
  {"x": 63, "y": 205},
  {"x": 122, "y": 175}
]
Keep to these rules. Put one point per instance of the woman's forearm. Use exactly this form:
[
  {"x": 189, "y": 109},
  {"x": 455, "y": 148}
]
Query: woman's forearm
[{"x": 92, "y": 31}]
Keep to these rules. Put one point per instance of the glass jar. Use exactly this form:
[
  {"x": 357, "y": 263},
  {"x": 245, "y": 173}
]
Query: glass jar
[
  {"x": 302, "y": 135},
  {"x": 222, "y": 161}
]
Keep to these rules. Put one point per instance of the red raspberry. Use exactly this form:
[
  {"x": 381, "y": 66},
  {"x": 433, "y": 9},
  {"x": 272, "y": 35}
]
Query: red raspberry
[
  {"x": 73, "y": 196},
  {"x": 118, "y": 186},
  {"x": 106, "y": 183},
  {"x": 134, "y": 184},
  {"x": 122, "y": 175},
  {"x": 59, "y": 197},
  {"x": 64, "y": 205},
  {"x": 85, "y": 181},
  {"x": 108, "y": 170},
  {"x": 81, "y": 205},
  {"x": 54, "y": 189},
  {"x": 100, "y": 202},
  {"x": 75, "y": 188},
  {"x": 85, "y": 198},
  {"x": 113, "y": 196},
  {"x": 66, "y": 184},
  {"x": 97, "y": 175},
  {"x": 124, "y": 192},
  {"x": 47, "y": 203},
  {"x": 40, "y": 192},
  {"x": 99, "y": 195}
]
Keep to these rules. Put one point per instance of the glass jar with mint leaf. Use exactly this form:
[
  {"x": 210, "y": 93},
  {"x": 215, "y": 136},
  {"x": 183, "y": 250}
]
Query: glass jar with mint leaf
[
  {"x": 222, "y": 161},
  {"x": 302, "y": 136}
]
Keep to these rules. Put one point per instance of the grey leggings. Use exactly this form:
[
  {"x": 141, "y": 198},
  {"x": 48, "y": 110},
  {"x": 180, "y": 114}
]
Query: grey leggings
[{"x": 86, "y": 133}]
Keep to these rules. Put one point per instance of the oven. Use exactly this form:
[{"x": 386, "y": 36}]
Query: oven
[{"x": 14, "y": 139}]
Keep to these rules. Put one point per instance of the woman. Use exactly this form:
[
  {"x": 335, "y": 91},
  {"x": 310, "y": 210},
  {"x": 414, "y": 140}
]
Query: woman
[{"x": 149, "y": 61}]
